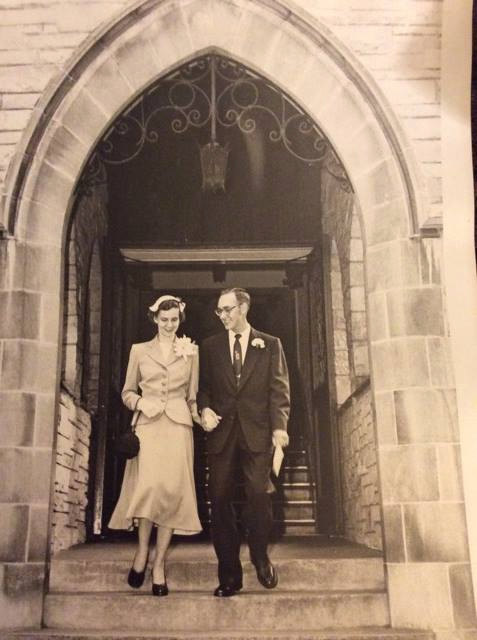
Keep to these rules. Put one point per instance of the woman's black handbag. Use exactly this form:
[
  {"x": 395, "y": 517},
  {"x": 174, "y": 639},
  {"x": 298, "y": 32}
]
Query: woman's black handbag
[{"x": 127, "y": 444}]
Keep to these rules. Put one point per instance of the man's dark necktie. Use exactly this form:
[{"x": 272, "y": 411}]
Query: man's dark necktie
[{"x": 237, "y": 357}]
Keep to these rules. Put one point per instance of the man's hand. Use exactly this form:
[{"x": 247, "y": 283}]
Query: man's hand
[
  {"x": 209, "y": 419},
  {"x": 280, "y": 438}
]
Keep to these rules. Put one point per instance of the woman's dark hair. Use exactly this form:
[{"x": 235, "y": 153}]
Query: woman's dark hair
[{"x": 165, "y": 306}]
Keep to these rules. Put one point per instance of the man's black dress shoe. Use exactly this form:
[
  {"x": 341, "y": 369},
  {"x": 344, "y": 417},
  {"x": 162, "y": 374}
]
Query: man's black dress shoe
[
  {"x": 136, "y": 578},
  {"x": 267, "y": 574},
  {"x": 160, "y": 589},
  {"x": 226, "y": 590}
]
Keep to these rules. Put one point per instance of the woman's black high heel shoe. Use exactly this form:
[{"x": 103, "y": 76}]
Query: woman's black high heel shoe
[
  {"x": 159, "y": 589},
  {"x": 136, "y": 578}
]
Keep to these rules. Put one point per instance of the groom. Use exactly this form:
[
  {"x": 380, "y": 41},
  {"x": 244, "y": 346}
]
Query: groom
[{"x": 244, "y": 401}]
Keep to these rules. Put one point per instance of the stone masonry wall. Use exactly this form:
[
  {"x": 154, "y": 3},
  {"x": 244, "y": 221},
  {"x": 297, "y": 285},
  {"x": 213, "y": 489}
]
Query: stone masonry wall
[
  {"x": 80, "y": 369},
  {"x": 397, "y": 41},
  {"x": 71, "y": 477},
  {"x": 359, "y": 470}
]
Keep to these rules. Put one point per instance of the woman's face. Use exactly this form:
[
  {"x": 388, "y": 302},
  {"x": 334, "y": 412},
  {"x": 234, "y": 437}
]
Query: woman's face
[{"x": 167, "y": 322}]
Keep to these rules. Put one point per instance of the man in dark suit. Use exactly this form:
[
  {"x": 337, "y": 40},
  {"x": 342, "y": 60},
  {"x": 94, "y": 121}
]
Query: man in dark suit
[{"x": 244, "y": 401}]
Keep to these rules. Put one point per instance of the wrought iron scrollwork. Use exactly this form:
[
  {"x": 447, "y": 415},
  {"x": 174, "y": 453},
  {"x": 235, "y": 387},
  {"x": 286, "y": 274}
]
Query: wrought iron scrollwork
[{"x": 217, "y": 92}]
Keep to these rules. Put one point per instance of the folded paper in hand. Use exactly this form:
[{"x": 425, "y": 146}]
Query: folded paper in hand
[{"x": 277, "y": 460}]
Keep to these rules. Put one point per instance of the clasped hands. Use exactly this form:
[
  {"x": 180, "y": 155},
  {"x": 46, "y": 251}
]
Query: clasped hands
[{"x": 210, "y": 420}]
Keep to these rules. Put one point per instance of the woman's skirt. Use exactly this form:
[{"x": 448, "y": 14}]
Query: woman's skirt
[{"x": 158, "y": 483}]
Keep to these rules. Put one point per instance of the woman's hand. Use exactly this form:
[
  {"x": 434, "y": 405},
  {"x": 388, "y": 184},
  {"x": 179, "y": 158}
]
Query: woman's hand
[
  {"x": 149, "y": 408},
  {"x": 209, "y": 419}
]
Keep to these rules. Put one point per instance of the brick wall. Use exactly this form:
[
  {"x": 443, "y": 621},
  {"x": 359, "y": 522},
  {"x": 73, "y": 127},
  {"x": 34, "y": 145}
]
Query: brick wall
[
  {"x": 397, "y": 41},
  {"x": 357, "y": 442}
]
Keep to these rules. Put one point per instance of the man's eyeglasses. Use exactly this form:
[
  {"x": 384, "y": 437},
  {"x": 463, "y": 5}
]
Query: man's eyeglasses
[{"x": 226, "y": 310}]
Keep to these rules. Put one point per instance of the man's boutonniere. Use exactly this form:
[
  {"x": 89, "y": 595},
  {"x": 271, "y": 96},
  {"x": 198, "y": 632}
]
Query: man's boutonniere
[
  {"x": 258, "y": 343},
  {"x": 184, "y": 347}
]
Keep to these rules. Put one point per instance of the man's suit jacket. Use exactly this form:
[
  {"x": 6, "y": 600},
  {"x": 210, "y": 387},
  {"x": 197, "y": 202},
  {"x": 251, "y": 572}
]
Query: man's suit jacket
[
  {"x": 261, "y": 400},
  {"x": 168, "y": 386}
]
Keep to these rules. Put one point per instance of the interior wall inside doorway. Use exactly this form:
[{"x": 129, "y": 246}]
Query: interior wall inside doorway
[{"x": 80, "y": 369}]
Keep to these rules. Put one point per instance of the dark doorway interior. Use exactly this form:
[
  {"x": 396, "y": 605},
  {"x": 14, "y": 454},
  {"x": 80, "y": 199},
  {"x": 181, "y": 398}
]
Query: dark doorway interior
[{"x": 273, "y": 311}]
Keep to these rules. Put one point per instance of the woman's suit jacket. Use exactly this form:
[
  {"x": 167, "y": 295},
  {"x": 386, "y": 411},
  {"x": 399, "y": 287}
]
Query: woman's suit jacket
[{"x": 155, "y": 385}]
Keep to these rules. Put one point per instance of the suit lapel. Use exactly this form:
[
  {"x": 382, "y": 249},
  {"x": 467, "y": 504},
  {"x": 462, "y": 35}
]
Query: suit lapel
[
  {"x": 154, "y": 351},
  {"x": 251, "y": 358},
  {"x": 224, "y": 353}
]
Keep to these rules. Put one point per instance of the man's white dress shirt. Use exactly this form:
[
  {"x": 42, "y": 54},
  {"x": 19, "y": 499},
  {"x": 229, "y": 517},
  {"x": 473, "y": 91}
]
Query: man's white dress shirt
[{"x": 244, "y": 337}]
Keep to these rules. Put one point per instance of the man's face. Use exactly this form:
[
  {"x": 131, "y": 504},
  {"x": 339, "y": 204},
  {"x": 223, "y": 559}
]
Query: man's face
[{"x": 232, "y": 314}]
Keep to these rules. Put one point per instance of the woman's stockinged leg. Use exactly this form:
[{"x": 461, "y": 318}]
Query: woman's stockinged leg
[
  {"x": 144, "y": 535},
  {"x": 164, "y": 535}
]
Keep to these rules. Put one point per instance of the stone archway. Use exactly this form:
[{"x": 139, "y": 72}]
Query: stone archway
[{"x": 143, "y": 44}]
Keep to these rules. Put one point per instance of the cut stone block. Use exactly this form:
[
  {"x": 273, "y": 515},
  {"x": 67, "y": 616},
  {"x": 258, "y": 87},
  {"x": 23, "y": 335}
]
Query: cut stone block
[
  {"x": 29, "y": 365},
  {"x": 394, "y": 534},
  {"x": 25, "y": 475},
  {"x": 38, "y": 535},
  {"x": 462, "y": 592},
  {"x": 440, "y": 358},
  {"x": 409, "y": 473},
  {"x": 19, "y": 314},
  {"x": 18, "y": 417},
  {"x": 450, "y": 473},
  {"x": 21, "y": 600},
  {"x": 14, "y": 519},
  {"x": 387, "y": 222},
  {"x": 400, "y": 363},
  {"x": 426, "y": 415},
  {"x": 377, "y": 316},
  {"x": 392, "y": 265},
  {"x": 385, "y": 418},
  {"x": 419, "y": 596},
  {"x": 45, "y": 419},
  {"x": 415, "y": 312},
  {"x": 436, "y": 532}
]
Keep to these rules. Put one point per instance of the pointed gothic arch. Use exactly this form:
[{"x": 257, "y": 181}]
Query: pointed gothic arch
[{"x": 297, "y": 54}]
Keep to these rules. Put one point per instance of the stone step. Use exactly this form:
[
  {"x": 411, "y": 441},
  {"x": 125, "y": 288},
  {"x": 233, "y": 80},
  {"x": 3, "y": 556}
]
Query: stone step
[
  {"x": 283, "y": 510},
  {"x": 281, "y": 526},
  {"x": 296, "y": 528},
  {"x": 285, "y": 491},
  {"x": 295, "y": 473},
  {"x": 290, "y": 491},
  {"x": 364, "y": 633},
  {"x": 296, "y": 457},
  {"x": 200, "y": 574},
  {"x": 187, "y": 612}
]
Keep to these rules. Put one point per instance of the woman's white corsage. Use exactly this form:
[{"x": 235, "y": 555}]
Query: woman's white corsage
[
  {"x": 258, "y": 343},
  {"x": 184, "y": 347}
]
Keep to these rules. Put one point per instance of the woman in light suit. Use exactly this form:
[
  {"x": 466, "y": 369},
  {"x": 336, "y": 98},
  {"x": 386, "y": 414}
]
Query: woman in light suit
[{"x": 158, "y": 485}]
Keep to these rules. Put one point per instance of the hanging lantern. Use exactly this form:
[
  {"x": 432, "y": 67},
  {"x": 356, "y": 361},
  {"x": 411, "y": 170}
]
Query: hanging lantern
[
  {"x": 213, "y": 155},
  {"x": 213, "y": 160}
]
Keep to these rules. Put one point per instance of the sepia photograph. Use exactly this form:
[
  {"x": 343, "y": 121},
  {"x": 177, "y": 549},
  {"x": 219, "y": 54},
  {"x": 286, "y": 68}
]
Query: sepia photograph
[{"x": 238, "y": 320}]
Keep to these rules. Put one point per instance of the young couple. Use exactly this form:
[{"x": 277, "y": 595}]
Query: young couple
[{"x": 241, "y": 399}]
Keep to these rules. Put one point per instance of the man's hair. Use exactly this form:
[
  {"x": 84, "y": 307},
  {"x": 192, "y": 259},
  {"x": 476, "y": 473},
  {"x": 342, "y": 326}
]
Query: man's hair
[{"x": 241, "y": 294}]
